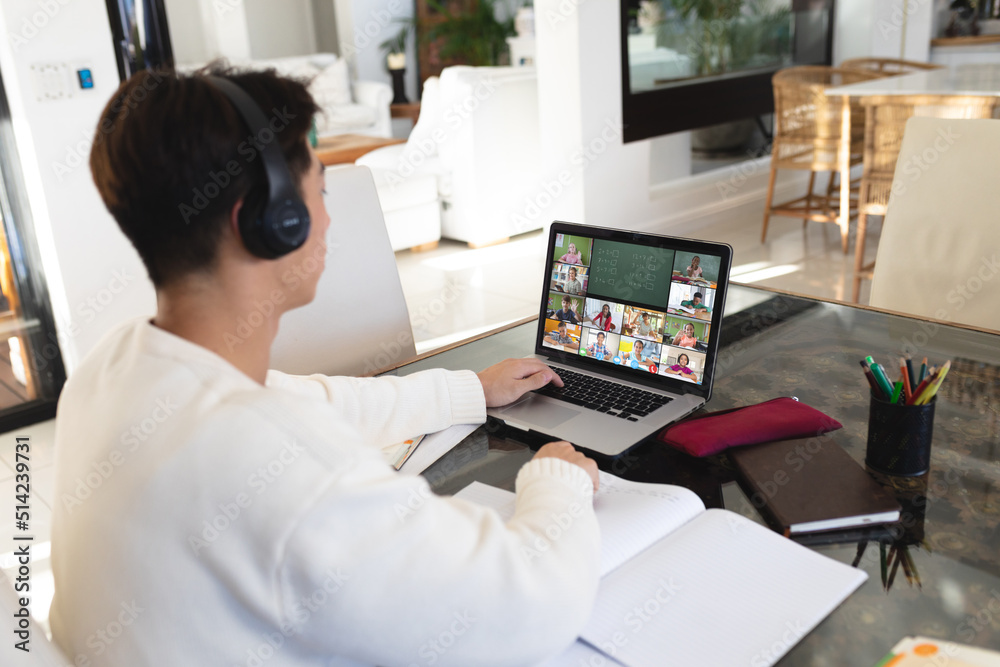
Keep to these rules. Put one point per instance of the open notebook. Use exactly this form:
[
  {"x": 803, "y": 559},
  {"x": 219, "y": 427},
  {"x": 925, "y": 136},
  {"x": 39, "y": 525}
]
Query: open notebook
[{"x": 677, "y": 577}]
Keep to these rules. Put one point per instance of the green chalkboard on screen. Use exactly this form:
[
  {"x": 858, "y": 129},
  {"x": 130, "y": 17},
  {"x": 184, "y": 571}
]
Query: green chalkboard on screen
[
  {"x": 628, "y": 272},
  {"x": 709, "y": 265}
]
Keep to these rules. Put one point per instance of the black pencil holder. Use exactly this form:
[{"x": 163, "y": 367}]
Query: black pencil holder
[{"x": 899, "y": 437}]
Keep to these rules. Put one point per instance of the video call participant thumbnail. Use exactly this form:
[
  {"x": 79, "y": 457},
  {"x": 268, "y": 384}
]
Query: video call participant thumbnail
[
  {"x": 601, "y": 345},
  {"x": 567, "y": 308},
  {"x": 603, "y": 315}
]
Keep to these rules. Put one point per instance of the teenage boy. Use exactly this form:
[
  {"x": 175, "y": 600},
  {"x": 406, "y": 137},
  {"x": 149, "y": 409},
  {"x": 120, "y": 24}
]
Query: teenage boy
[{"x": 255, "y": 521}]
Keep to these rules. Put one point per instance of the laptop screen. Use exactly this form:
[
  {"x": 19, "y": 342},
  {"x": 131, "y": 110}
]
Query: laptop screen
[{"x": 648, "y": 305}]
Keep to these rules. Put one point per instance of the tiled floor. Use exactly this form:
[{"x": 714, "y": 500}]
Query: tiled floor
[{"x": 454, "y": 292}]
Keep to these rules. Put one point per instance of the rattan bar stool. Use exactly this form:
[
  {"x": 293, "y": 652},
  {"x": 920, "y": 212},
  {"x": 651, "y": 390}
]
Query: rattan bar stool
[
  {"x": 810, "y": 134},
  {"x": 885, "y": 121}
]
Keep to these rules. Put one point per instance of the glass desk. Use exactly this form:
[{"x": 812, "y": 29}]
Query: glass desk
[{"x": 780, "y": 345}]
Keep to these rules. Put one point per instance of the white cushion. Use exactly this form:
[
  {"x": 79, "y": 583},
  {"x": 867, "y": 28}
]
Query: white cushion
[
  {"x": 298, "y": 67},
  {"x": 331, "y": 87},
  {"x": 322, "y": 60},
  {"x": 338, "y": 119}
]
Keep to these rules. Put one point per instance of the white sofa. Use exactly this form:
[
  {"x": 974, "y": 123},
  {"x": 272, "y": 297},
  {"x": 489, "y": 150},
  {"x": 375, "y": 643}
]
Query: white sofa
[
  {"x": 348, "y": 107},
  {"x": 478, "y": 137}
]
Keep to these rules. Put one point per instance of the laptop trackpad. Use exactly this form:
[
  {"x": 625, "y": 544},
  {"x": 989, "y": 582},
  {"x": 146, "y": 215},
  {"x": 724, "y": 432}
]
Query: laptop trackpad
[{"x": 545, "y": 414}]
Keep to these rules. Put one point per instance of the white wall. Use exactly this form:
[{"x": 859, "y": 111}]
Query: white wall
[
  {"x": 216, "y": 29},
  {"x": 280, "y": 29},
  {"x": 187, "y": 35},
  {"x": 325, "y": 18},
  {"x": 875, "y": 28},
  {"x": 94, "y": 276},
  {"x": 363, "y": 25}
]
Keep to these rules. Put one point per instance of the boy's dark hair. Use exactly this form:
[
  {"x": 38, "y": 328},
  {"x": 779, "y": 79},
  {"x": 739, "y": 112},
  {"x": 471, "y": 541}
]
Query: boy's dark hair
[{"x": 171, "y": 157}]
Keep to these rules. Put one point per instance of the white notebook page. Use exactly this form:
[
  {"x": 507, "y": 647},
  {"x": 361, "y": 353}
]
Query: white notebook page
[
  {"x": 631, "y": 515},
  {"x": 721, "y": 590}
]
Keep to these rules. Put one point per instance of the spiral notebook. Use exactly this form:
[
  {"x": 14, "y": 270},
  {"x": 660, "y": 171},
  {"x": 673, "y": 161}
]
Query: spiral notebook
[{"x": 675, "y": 576}]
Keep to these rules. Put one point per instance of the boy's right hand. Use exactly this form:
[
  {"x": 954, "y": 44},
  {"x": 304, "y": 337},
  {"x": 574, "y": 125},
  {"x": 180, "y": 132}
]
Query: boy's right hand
[{"x": 565, "y": 451}]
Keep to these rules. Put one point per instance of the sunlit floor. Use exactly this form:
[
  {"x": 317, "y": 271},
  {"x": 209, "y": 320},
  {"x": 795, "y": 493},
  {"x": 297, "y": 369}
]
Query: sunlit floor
[{"x": 454, "y": 292}]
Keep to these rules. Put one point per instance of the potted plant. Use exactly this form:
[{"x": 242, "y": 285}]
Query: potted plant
[
  {"x": 475, "y": 37},
  {"x": 395, "y": 61}
]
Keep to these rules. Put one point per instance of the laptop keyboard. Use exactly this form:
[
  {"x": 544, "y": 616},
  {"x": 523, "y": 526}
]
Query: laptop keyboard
[{"x": 604, "y": 396}]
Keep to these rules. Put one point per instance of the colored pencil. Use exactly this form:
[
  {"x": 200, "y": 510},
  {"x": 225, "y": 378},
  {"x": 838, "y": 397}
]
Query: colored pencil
[
  {"x": 918, "y": 390},
  {"x": 932, "y": 389},
  {"x": 910, "y": 375},
  {"x": 923, "y": 371},
  {"x": 872, "y": 381},
  {"x": 907, "y": 387},
  {"x": 896, "y": 391},
  {"x": 880, "y": 376}
]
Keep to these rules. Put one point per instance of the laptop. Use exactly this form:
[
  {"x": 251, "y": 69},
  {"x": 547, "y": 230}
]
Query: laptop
[{"x": 630, "y": 321}]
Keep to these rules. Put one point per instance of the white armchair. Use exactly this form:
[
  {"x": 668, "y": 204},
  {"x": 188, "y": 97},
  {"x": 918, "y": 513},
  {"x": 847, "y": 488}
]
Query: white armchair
[
  {"x": 358, "y": 107},
  {"x": 478, "y": 136}
]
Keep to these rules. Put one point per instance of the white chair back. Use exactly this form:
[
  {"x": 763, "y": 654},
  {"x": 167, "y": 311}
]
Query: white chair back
[
  {"x": 939, "y": 253},
  {"x": 359, "y": 322}
]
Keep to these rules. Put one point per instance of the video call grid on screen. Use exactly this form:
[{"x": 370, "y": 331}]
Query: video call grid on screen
[{"x": 653, "y": 305}]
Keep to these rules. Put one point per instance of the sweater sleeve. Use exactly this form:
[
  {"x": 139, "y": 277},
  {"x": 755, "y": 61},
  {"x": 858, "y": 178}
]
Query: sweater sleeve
[
  {"x": 408, "y": 577},
  {"x": 391, "y": 409}
]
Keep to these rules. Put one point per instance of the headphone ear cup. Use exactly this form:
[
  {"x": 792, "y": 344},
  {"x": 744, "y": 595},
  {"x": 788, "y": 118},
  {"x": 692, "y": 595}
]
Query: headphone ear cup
[
  {"x": 285, "y": 225},
  {"x": 251, "y": 224}
]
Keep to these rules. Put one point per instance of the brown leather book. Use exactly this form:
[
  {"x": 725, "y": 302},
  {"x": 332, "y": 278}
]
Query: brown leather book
[{"x": 810, "y": 485}]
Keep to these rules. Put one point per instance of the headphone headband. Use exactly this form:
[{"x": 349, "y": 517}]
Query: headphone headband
[{"x": 283, "y": 225}]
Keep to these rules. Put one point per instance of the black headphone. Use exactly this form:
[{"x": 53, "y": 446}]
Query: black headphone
[{"x": 283, "y": 222}]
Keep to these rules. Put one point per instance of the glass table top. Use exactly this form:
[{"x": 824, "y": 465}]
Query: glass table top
[{"x": 780, "y": 345}]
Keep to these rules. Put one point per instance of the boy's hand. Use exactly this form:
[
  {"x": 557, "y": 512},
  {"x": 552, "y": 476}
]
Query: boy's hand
[
  {"x": 563, "y": 450},
  {"x": 511, "y": 379}
]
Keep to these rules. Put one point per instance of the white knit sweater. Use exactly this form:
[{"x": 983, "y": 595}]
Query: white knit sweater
[{"x": 206, "y": 520}]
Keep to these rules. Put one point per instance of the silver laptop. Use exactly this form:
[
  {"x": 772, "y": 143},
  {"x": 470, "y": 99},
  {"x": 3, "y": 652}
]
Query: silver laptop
[{"x": 631, "y": 323}]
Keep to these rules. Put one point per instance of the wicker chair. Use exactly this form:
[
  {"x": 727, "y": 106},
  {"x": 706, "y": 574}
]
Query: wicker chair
[
  {"x": 885, "y": 121},
  {"x": 888, "y": 66},
  {"x": 809, "y": 135}
]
